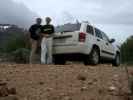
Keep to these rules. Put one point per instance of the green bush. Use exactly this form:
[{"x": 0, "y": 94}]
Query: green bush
[
  {"x": 127, "y": 51},
  {"x": 16, "y": 42},
  {"x": 17, "y": 47}
]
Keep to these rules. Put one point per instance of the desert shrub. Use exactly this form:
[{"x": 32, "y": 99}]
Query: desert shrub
[
  {"x": 21, "y": 55},
  {"x": 127, "y": 51}
]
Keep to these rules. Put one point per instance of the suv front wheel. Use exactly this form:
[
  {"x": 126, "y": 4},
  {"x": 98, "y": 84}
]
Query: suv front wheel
[
  {"x": 116, "y": 61},
  {"x": 59, "y": 60}
]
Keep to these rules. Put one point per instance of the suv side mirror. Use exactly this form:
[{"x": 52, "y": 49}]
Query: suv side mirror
[{"x": 112, "y": 41}]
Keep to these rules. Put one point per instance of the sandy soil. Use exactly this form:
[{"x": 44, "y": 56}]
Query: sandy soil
[{"x": 69, "y": 82}]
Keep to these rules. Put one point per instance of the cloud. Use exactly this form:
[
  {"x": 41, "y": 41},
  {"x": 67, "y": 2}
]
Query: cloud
[
  {"x": 100, "y": 11},
  {"x": 96, "y": 11},
  {"x": 15, "y": 13},
  {"x": 111, "y": 11}
]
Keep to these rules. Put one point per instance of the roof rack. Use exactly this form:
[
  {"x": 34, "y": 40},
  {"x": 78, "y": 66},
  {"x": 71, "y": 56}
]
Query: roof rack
[{"x": 87, "y": 22}]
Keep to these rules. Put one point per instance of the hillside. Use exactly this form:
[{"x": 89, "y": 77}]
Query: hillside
[{"x": 9, "y": 32}]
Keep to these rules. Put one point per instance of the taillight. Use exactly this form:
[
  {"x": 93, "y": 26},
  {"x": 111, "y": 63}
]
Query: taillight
[{"x": 82, "y": 37}]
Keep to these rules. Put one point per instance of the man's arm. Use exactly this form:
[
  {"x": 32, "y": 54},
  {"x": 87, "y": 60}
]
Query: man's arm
[
  {"x": 42, "y": 32},
  {"x": 44, "y": 35},
  {"x": 31, "y": 29},
  {"x": 53, "y": 29}
]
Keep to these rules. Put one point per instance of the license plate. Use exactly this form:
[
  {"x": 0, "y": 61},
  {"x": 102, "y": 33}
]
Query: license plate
[{"x": 60, "y": 40}]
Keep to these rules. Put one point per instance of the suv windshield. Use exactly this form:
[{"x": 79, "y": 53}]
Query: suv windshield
[{"x": 68, "y": 27}]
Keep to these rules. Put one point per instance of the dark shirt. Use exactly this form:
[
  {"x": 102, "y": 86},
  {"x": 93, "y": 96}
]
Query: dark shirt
[
  {"x": 47, "y": 29},
  {"x": 34, "y": 31}
]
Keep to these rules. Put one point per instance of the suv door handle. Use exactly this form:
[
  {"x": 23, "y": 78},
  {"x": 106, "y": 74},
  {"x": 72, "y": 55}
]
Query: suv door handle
[{"x": 98, "y": 39}]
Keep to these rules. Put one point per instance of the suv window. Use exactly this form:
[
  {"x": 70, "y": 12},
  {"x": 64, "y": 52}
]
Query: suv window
[
  {"x": 68, "y": 27},
  {"x": 105, "y": 37},
  {"x": 90, "y": 29},
  {"x": 98, "y": 33}
]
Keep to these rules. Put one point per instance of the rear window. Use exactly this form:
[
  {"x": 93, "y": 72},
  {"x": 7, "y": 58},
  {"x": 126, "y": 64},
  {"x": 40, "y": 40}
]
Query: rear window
[
  {"x": 68, "y": 28},
  {"x": 90, "y": 29}
]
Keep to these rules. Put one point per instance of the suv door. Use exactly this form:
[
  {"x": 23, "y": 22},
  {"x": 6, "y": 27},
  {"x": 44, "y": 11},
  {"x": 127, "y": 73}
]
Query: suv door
[
  {"x": 100, "y": 42},
  {"x": 90, "y": 38},
  {"x": 90, "y": 34},
  {"x": 110, "y": 50}
]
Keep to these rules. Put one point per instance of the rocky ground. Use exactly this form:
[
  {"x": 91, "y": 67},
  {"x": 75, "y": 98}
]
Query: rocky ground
[{"x": 69, "y": 82}]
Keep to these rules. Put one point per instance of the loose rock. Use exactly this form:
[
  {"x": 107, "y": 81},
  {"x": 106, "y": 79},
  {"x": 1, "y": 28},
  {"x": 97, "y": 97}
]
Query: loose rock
[
  {"x": 81, "y": 77},
  {"x": 112, "y": 89},
  {"x": 84, "y": 88},
  {"x": 4, "y": 91}
]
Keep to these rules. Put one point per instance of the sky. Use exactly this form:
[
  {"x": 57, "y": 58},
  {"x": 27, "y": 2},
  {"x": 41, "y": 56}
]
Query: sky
[{"x": 114, "y": 17}]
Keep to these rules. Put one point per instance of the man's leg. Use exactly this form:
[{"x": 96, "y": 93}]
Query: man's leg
[
  {"x": 33, "y": 51},
  {"x": 39, "y": 51},
  {"x": 50, "y": 49},
  {"x": 43, "y": 51}
]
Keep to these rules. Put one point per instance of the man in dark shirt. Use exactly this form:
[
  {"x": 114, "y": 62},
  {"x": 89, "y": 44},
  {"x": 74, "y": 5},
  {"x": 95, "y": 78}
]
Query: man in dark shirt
[
  {"x": 35, "y": 38},
  {"x": 47, "y": 42}
]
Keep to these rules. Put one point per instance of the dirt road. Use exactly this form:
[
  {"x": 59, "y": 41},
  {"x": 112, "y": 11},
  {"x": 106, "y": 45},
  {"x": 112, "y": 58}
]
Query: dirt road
[{"x": 69, "y": 82}]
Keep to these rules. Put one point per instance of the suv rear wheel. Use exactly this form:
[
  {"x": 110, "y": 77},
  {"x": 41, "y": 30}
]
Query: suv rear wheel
[
  {"x": 59, "y": 60},
  {"x": 94, "y": 57}
]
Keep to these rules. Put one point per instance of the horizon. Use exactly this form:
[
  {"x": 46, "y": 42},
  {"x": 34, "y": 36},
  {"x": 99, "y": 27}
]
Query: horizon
[{"x": 112, "y": 17}]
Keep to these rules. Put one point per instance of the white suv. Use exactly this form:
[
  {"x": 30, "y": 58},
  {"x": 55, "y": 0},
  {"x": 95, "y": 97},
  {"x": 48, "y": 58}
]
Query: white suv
[{"x": 84, "y": 42}]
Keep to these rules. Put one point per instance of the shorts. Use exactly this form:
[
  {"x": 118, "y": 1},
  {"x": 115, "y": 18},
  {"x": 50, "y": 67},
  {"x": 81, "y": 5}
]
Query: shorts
[{"x": 35, "y": 37}]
